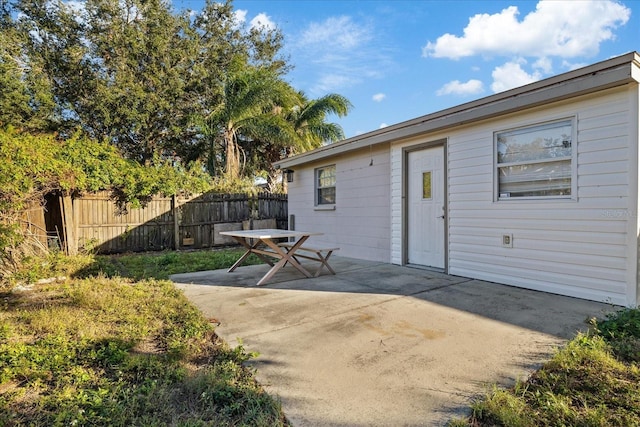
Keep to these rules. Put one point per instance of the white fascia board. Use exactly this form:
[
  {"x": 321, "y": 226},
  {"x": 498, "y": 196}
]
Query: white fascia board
[{"x": 603, "y": 75}]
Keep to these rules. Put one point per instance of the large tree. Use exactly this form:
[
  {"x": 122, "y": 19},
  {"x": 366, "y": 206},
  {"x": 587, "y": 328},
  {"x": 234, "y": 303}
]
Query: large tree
[
  {"x": 190, "y": 86},
  {"x": 250, "y": 111},
  {"x": 121, "y": 70},
  {"x": 225, "y": 49},
  {"x": 141, "y": 72},
  {"x": 14, "y": 97},
  {"x": 26, "y": 100},
  {"x": 261, "y": 118}
]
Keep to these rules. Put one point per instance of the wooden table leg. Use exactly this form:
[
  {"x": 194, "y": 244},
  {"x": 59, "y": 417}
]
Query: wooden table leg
[
  {"x": 285, "y": 257},
  {"x": 324, "y": 260},
  {"x": 250, "y": 249}
]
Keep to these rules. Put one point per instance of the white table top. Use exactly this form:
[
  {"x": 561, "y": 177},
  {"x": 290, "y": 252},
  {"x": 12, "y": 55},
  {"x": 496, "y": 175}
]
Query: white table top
[{"x": 268, "y": 233}]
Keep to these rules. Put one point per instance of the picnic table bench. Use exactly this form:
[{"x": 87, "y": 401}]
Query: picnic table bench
[{"x": 316, "y": 254}]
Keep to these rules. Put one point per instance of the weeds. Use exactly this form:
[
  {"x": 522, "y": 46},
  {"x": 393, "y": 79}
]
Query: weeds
[
  {"x": 622, "y": 331},
  {"x": 593, "y": 381},
  {"x": 50, "y": 266},
  {"x": 162, "y": 265},
  {"x": 114, "y": 351},
  {"x": 159, "y": 265}
]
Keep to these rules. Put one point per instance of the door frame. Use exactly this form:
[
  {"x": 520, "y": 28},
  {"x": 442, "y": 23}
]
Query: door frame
[{"x": 405, "y": 201}]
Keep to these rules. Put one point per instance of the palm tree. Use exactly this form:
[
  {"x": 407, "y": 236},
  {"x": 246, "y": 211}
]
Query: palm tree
[
  {"x": 249, "y": 110},
  {"x": 309, "y": 121},
  {"x": 311, "y": 130},
  {"x": 260, "y": 117}
]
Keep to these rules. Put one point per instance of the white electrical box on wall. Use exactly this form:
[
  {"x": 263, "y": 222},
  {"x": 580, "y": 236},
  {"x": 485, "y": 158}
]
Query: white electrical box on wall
[{"x": 507, "y": 240}]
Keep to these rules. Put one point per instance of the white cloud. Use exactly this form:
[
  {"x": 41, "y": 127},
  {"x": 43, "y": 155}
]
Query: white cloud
[
  {"x": 340, "y": 52},
  {"x": 544, "y": 64},
  {"x": 239, "y": 17},
  {"x": 328, "y": 82},
  {"x": 336, "y": 33},
  {"x": 383, "y": 125},
  {"x": 78, "y": 9},
  {"x": 262, "y": 20},
  {"x": 566, "y": 29},
  {"x": 512, "y": 75},
  {"x": 76, "y": 6},
  {"x": 456, "y": 87},
  {"x": 378, "y": 97},
  {"x": 573, "y": 65}
]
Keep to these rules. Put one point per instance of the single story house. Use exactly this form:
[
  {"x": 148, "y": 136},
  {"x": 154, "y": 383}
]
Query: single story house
[{"x": 535, "y": 187}]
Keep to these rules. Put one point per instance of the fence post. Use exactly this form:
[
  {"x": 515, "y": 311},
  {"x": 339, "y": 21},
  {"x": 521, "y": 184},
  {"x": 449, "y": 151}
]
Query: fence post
[
  {"x": 176, "y": 222},
  {"x": 69, "y": 225}
]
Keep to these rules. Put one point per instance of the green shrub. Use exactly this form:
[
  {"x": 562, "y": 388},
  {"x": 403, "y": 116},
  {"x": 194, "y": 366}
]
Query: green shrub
[{"x": 622, "y": 331}]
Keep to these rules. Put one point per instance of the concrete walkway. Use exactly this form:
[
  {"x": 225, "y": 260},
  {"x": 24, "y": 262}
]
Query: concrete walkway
[{"x": 383, "y": 345}]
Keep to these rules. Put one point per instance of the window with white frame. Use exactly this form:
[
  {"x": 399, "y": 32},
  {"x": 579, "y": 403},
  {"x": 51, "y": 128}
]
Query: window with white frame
[
  {"x": 326, "y": 185},
  {"x": 536, "y": 161}
]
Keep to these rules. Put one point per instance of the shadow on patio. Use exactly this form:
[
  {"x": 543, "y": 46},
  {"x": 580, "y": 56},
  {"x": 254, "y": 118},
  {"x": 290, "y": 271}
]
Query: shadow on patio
[{"x": 379, "y": 344}]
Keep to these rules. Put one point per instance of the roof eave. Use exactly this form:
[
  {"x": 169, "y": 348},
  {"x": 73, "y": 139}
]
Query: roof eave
[{"x": 614, "y": 72}]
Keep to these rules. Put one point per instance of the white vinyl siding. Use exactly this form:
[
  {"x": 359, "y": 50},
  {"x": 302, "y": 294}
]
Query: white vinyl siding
[
  {"x": 585, "y": 244},
  {"x": 359, "y": 225},
  {"x": 576, "y": 247}
]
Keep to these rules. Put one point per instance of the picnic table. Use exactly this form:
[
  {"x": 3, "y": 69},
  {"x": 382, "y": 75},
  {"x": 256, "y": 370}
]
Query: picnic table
[{"x": 264, "y": 244}]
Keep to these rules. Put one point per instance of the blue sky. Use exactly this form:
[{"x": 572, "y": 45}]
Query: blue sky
[{"x": 397, "y": 60}]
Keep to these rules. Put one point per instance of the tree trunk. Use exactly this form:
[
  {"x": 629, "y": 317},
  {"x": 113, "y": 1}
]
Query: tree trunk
[{"x": 232, "y": 168}]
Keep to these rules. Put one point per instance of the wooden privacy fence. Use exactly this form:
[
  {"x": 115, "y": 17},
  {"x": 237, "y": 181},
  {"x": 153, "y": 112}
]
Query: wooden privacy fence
[{"x": 169, "y": 222}]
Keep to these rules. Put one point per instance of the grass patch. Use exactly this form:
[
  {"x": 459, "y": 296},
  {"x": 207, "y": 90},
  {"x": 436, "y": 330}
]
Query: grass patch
[
  {"x": 593, "y": 381},
  {"x": 622, "y": 331},
  {"x": 53, "y": 265},
  {"x": 161, "y": 265},
  {"x": 110, "y": 350}
]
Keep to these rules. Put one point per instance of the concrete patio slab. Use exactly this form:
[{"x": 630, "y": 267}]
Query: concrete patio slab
[{"x": 384, "y": 345}]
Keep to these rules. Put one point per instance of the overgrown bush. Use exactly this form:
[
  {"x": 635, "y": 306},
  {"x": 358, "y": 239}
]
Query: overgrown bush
[
  {"x": 30, "y": 168},
  {"x": 36, "y": 165}
]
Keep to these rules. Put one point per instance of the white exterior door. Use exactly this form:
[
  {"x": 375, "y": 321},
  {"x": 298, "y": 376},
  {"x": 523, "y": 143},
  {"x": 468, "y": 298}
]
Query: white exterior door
[{"x": 425, "y": 207}]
